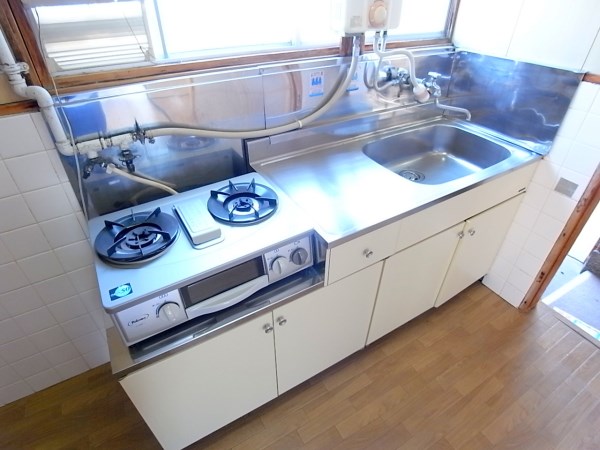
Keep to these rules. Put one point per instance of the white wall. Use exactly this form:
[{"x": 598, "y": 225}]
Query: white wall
[
  {"x": 51, "y": 321},
  {"x": 558, "y": 34}
]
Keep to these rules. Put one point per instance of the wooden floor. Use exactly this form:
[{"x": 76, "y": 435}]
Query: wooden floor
[{"x": 475, "y": 374}]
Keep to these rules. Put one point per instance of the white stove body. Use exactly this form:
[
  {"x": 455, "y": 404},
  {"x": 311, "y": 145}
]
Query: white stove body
[{"x": 145, "y": 298}]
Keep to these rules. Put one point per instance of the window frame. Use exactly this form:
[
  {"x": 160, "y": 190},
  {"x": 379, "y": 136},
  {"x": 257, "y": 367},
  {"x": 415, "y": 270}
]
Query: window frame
[{"x": 23, "y": 41}]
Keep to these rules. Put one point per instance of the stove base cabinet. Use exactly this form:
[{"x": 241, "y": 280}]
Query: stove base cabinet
[{"x": 189, "y": 395}]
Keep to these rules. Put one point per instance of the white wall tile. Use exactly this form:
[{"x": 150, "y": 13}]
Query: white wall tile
[
  {"x": 32, "y": 172},
  {"x": 559, "y": 206},
  {"x": 8, "y": 187},
  {"x": 11, "y": 278},
  {"x": 486, "y": 27},
  {"x": 42, "y": 130},
  {"x": 17, "y": 350},
  {"x": 527, "y": 215},
  {"x": 5, "y": 255},
  {"x": 17, "y": 136},
  {"x": 63, "y": 231},
  {"x": 75, "y": 256},
  {"x": 72, "y": 368},
  {"x": 97, "y": 357},
  {"x": 90, "y": 342},
  {"x": 583, "y": 159},
  {"x": 21, "y": 301},
  {"x": 571, "y": 123},
  {"x": 41, "y": 267},
  {"x": 15, "y": 391},
  {"x": 44, "y": 379},
  {"x": 536, "y": 195},
  {"x": 588, "y": 132},
  {"x": 595, "y": 108},
  {"x": 84, "y": 279},
  {"x": 8, "y": 376},
  {"x": 68, "y": 309},
  {"x": 26, "y": 241},
  {"x": 91, "y": 299},
  {"x": 560, "y": 149},
  {"x": 520, "y": 280},
  {"x": 32, "y": 365},
  {"x": 548, "y": 227},
  {"x": 529, "y": 264},
  {"x": 501, "y": 268},
  {"x": 36, "y": 320},
  {"x": 512, "y": 295},
  {"x": 494, "y": 282},
  {"x": 70, "y": 193},
  {"x": 3, "y": 316},
  {"x": 546, "y": 174},
  {"x": 57, "y": 165},
  {"x": 79, "y": 326},
  {"x": 584, "y": 96},
  {"x": 62, "y": 353},
  {"x": 15, "y": 214},
  {"x": 55, "y": 289},
  {"x": 538, "y": 246},
  {"x": 9, "y": 331},
  {"x": 49, "y": 338},
  {"x": 592, "y": 62},
  {"x": 509, "y": 252},
  {"x": 48, "y": 203},
  {"x": 555, "y": 33}
]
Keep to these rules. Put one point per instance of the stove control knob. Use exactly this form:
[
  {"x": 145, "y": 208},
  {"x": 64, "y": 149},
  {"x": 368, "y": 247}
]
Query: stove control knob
[
  {"x": 299, "y": 256},
  {"x": 279, "y": 265},
  {"x": 168, "y": 311}
]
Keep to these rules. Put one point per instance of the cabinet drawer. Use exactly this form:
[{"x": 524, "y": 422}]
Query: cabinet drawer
[{"x": 361, "y": 252}]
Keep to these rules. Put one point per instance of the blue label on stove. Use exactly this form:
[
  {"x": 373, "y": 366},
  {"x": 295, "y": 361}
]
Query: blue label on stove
[{"x": 121, "y": 291}]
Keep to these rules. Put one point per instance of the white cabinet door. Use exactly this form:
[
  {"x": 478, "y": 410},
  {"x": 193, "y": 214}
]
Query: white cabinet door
[
  {"x": 411, "y": 280},
  {"x": 323, "y": 327},
  {"x": 197, "y": 391},
  {"x": 483, "y": 235}
]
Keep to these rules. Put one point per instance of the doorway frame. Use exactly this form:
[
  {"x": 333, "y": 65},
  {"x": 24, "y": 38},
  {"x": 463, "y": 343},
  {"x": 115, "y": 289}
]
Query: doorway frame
[{"x": 579, "y": 217}]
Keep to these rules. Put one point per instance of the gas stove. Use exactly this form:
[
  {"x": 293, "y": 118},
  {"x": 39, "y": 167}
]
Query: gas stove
[{"x": 171, "y": 260}]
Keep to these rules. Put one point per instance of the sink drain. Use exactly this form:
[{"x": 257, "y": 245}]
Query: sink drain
[{"x": 412, "y": 175}]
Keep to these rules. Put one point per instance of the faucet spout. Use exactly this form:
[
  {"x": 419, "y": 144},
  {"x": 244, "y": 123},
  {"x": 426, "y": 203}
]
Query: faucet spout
[{"x": 464, "y": 111}]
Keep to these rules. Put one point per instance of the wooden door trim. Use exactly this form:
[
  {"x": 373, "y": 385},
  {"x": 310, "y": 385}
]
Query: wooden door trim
[{"x": 579, "y": 217}]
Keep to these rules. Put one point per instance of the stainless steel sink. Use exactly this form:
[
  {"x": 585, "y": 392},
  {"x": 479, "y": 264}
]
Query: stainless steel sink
[{"x": 438, "y": 153}]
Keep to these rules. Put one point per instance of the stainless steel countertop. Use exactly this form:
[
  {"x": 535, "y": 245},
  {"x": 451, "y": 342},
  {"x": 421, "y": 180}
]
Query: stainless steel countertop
[{"x": 347, "y": 194}]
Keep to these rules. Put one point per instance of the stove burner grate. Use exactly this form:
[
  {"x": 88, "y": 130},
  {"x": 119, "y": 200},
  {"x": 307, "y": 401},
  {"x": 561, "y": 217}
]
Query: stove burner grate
[
  {"x": 137, "y": 237},
  {"x": 242, "y": 203}
]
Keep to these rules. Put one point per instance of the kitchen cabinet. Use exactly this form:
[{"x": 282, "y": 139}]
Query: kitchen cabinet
[
  {"x": 478, "y": 242},
  {"x": 410, "y": 282},
  {"x": 323, "y": 327},
  {"x": 198, "y": 390}
]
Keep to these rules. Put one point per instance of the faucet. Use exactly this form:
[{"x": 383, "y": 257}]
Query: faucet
[{"x": 435, "y": 90}]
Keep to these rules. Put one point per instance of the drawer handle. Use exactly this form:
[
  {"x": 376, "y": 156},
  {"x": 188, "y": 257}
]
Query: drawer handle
[
  {"x": 368, "y": 253},
  {"x": 472, "y": 231},
  {"x": 281, "y": 321},
  {"x": 268, "y": 328},
  {"x": 461, "y": 234}
]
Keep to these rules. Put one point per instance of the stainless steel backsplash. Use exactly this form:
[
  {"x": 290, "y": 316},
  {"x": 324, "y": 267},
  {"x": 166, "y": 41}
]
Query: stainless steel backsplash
[{"x": 524, "y": 101}]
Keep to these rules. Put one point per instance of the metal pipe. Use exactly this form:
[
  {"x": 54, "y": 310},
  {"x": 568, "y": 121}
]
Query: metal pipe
[{"x": 13, "y": 71}]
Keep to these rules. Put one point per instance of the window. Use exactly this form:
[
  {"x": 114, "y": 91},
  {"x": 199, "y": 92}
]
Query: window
[{"x": 92, "y": 37}]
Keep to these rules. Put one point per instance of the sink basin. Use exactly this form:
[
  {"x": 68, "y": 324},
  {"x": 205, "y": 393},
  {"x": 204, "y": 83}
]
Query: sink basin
[{"x": 437, "y": 153}]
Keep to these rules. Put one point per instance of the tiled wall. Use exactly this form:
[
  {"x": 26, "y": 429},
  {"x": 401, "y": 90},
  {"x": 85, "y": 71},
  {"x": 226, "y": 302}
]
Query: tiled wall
[
  {"x": 544, "y": 211},
  {"x": 51, "y": 321},
  {"x": 558, "y": 34}
]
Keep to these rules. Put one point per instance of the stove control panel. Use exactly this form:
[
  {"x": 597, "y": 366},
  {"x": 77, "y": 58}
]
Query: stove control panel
[
  {"x": 289, "y": 259},
  {"x": 150, "y": 317}
]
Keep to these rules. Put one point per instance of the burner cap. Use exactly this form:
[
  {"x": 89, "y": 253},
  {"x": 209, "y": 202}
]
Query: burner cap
[
  {"x": 137, "y": 237},
  {"x": 242, "y": 203}
]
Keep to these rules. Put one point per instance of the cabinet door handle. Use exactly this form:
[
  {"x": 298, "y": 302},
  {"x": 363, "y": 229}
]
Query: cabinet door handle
[
  {"x": 368, "y": 253},
  {"x": 472, "y": 231},
  {"x": 268, "y": 328},
  {"x": 461, "y": 234},
  {"x": 281, "y": 321}
]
